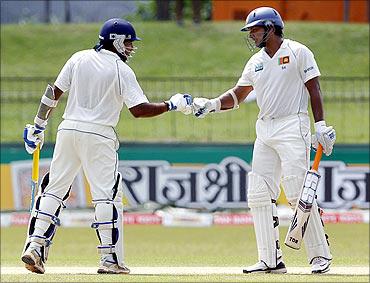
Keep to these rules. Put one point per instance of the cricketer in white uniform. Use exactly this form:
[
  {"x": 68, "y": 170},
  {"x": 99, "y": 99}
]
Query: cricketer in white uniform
[
  {"x": 100, "y": 83},
  {"x": 283, "y": 75}
]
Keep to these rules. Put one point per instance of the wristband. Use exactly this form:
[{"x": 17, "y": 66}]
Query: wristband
[
  {"x": 215, "y": 104},
  {"x": 169, "y": 104},
  {"x": 40, "y": 122},
  {"x": 319, "y": 125}
]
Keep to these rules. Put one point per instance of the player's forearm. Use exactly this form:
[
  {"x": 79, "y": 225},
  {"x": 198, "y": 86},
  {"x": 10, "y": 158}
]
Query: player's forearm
[
  {"x": 234, "y": 96},
  {"x": 48, "y": 102},
  {"x": 313, "y": 87},
  {"x": 227, "y": 102},
  {"x": 146, "y": 110},
  {"x": 231, "y": 98},
  {"x": 317, "y": 108}
]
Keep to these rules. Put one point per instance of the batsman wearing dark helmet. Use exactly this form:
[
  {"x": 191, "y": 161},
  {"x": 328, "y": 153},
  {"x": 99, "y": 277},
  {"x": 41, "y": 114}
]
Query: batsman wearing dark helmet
[
  {"x": 284, "y": 76},
  {"x": 100, "y": 83}
]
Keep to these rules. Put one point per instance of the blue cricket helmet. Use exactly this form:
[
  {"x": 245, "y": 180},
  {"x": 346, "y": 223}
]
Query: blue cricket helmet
[
  {"x": 263, "y": 16},
  {"x": 115, "y": 32},
  {"x": 114, "y": 27}
]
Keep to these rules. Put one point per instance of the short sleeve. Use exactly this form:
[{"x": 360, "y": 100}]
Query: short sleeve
[
  {"x": 63, "y": 81},
  {"x": 307, "y": 65},
  {"x": 132, "y": 93},
  {"x": 246, "y": 78}
]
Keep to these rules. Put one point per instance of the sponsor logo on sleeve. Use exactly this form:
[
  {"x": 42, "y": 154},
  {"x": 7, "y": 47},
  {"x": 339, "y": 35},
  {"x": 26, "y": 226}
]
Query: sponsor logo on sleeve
[
  {"x": 308, "y": 69},
  {"x": 258, "y": 67}
]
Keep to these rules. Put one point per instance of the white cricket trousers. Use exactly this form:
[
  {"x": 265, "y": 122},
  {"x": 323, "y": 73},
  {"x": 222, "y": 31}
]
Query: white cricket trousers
[
  {"x": 282, "y": 148},
  {"x": 90, "y": 146}
]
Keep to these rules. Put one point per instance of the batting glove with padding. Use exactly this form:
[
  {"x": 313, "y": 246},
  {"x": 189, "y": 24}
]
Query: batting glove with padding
[
  {"x": 32, "y": 136},
  {"x": 180, "y": 102},
  {"x": 324, "y": 135},
  {"x": 203, "y": 106}
]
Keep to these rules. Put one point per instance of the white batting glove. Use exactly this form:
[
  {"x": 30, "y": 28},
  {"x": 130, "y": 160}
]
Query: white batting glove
[
  {"x": 180, "y": 102},
  {"x": 324, "y": 135},
  {"x": 203, "y": 106},
  {"x": 32, "y": 136}
]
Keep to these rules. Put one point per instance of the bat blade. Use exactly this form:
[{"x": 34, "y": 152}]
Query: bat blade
[{"x": 301, "y": 216}]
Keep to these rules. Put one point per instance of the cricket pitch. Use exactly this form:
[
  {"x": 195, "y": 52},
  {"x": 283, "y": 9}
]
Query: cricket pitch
[{"x": 205, "y": 270}]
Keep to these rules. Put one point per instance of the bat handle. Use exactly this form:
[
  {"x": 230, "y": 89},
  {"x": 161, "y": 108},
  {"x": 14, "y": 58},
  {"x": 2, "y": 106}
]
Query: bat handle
[
  {"x": 317, "y": 159},
  {"x": 35, "y": 164},
  {"x": 35, "y": 174}
]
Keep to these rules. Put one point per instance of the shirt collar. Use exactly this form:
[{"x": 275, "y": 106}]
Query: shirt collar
[
  {"x": 110, "y": 53},
  {"x": 284, "y": 44}
]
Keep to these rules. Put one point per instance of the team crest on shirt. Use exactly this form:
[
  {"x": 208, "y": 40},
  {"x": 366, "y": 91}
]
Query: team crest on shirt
[
  {"x": 259, "y": 67},
  {"x": 283, "y": 60}
]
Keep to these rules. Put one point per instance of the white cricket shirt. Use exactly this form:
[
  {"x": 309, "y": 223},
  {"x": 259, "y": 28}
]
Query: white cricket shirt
[
  {"x": 99, "y": 83},
  {"x": 279, "y": 82}
]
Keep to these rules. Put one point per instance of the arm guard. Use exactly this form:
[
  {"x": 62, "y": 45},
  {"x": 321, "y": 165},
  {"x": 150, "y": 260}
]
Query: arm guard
[
  {"x": 48, "y": 102},
  {"x": 235, "y": 99},
  {"x": 217, "y": 102}
]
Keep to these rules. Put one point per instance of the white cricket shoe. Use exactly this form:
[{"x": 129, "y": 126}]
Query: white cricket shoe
[
  {"x": 320, "y": 265},
  {"x": 33, "y": 261},
  {"x": 261, "y": 267},
  {"x": 108, "y": 267}
]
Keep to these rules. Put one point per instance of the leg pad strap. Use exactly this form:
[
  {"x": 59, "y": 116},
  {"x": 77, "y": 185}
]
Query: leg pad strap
[
  {"x": 56, "y": 198},
  {"x": 42, "y": 240},
  {"x": 107, "y": 249},
  {"x": 42, "y": 215},
  {"x": 104, "y": 225}
]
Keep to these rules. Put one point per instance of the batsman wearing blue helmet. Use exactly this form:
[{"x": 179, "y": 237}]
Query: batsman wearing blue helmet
[
  {"x": 100, "y": 83},
  {"x": 283, "y": 75}
]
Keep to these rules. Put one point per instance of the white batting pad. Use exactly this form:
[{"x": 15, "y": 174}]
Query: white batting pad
[
  {"x": 275, "y": 218},
  {"x": 45, "y": 215},
  {"x": 315, "y": 240},
  {"x": 109, "y": 226},
  {"x": 259, "y": 201}
]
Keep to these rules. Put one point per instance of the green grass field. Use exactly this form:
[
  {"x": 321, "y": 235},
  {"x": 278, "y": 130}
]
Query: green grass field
[
  {"x": 213, "y": 49},
  {"x": 168, "y": 246}
]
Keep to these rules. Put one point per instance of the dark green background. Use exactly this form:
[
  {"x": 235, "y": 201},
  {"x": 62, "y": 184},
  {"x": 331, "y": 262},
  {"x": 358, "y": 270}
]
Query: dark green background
[{"x": 190, "y": 153}]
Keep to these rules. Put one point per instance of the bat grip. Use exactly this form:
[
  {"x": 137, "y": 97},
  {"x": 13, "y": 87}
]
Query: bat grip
[
  {"x": 317, "y": 159},
  {"x": 35, "y": 164}
]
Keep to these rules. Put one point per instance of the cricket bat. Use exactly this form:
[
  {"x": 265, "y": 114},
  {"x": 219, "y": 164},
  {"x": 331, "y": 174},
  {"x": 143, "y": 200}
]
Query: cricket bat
[
  {"x": 35, "y": 174},
  {"x": 302, "y": 210}
]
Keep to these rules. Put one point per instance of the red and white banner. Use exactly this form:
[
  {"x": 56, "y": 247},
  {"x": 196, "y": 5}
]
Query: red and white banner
[
  {"x": 141, "y": 219},
  {"x": 183, "y": 218},
  {"x": 233, "y": 219}
]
